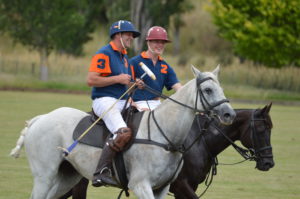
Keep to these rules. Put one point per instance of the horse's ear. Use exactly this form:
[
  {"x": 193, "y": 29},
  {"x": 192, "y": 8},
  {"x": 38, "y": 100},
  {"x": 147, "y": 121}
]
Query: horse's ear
[
  {"x": 267, "y": 108},
  {"x": 216, "y": 71},
  {"x": 195, "y": 71}
]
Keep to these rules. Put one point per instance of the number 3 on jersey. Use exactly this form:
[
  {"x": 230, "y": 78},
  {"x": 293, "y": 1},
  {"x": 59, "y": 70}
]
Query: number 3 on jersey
[{"x": 101, "y": 63}]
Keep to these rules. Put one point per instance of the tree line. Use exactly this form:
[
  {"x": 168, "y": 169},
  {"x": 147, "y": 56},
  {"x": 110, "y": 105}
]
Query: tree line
[{"x": 264, "y": 31}]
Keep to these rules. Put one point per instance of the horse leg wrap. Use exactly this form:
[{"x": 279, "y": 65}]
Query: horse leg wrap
[{"x": 124, "y": 135}]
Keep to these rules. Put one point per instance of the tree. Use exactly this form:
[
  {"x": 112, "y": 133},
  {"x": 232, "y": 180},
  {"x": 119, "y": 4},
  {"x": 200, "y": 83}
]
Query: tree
[
  {"x": 265, "y": 31},
  {"x": 183, "y": 7},
  {"x": 49, "y": 25},
  {"x": 146, "y": 13}
]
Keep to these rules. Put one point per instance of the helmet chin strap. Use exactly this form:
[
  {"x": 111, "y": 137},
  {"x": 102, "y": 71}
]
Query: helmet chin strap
[
  {"x": 151, "y": 50},
  {"x": 122, "y": 43}
]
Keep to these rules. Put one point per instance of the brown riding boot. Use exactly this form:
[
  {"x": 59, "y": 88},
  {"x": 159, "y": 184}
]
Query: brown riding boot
[{"x": 103, "y": 175}]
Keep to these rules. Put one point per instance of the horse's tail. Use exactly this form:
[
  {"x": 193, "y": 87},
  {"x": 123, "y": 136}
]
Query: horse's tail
[{"x": 15, "y": 152}]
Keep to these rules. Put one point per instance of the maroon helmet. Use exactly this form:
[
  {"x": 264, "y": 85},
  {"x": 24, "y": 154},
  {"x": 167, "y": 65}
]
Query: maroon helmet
[{"x": 157, "y": 33}]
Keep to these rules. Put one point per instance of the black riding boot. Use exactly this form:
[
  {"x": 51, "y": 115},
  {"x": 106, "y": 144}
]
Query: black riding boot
[{"x": 103, "y": 175}]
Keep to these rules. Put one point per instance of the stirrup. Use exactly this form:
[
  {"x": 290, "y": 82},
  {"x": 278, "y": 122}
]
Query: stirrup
[{"x": 104, "y": 179}]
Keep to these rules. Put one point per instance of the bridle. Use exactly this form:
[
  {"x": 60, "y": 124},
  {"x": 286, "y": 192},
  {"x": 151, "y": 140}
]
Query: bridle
[
  {"x": 251, "y": 153},
  {"x": 171, "y": 146},
  {"x": 205, "y": 104},
  {"x": 256, "y": 151},
  {"x": 248, "y": 154}
]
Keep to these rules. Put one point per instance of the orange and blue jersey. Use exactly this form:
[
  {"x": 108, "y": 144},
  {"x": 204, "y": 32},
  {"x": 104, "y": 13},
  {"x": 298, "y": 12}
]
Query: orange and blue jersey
[
  {"x": 165, "y": 76},
  {"x": 109, "y": 61}
]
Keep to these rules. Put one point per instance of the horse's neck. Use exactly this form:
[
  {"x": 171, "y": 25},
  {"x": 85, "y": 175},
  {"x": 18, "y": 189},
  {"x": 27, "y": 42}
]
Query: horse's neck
[
  {"x": 217, "y": 142},
  {"x": 205, "y": 149},
  {"x": 176, "y": 120},
  {"x": 198, "y": 159}
]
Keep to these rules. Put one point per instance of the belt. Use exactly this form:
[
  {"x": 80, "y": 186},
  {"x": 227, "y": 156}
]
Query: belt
[{"x": 157, "y": 98}]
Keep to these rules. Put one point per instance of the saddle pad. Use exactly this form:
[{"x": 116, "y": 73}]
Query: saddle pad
[
  {"x": 99, "y": 133},
  {"x": 95, "y": 137}
]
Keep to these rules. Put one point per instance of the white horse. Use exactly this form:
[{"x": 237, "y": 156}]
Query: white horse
[{"x": 149, "y": 168}]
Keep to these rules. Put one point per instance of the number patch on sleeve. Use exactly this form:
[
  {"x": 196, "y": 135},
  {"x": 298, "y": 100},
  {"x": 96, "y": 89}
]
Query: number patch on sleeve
[
  {"x": 100, "y": 64},
  {"x": 164, "y": 68}
]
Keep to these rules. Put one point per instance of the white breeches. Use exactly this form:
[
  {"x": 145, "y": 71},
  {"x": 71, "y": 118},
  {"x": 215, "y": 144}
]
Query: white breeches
[
  {"x": 112, "y": 118},
  {"x": 147, "y": 105}
]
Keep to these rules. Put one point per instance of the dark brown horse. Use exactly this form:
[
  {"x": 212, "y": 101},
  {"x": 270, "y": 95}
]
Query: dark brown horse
[{"x": 252, "y": 127}]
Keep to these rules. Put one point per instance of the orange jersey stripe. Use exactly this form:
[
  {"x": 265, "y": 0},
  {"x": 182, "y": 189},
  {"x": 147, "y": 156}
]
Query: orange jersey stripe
[{"x": 132, "y": 72}]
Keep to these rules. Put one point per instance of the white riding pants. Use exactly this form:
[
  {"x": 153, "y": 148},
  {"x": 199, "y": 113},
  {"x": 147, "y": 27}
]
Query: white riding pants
[
  {"x": 113, "y": 118},
  {"x": 149, "y": 104}
]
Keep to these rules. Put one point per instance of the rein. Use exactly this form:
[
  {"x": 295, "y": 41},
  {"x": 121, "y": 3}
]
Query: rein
[
  {"x": 159, "y": 94},
  {"x": 213, "y": 169},
  {"x": 208, "y": 107},
  {"x": 245, "y": 153},
  {"x": 208, "y": 110}
]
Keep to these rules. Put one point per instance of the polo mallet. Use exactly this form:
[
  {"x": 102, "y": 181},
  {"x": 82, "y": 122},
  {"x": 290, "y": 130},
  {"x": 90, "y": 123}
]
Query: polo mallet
[
  {"x": 147, "y": 71},
  {"x": 72, "y": 146}
]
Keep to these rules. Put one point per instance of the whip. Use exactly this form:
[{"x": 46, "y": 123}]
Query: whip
[{"x": 72, "y": 146}]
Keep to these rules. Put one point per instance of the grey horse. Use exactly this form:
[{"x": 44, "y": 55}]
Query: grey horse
[{"x": 149, "y": 168}]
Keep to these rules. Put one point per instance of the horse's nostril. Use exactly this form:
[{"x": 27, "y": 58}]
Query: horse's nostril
[
  {"x": 269, "y": 164},
  {"x": 227, "y": 115}
]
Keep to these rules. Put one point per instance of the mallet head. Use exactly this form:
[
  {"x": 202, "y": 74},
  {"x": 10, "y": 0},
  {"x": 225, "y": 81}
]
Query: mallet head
[{"x": 147, "y": 71}]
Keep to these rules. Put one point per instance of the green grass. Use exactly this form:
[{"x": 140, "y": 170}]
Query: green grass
[{"x": 232, "y": 182}]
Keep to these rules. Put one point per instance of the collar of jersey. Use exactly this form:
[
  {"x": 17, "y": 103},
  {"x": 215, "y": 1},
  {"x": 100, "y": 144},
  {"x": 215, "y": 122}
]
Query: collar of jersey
[
  {"x": 114, "y": 47},
  {"x": 145, "y": 56}
]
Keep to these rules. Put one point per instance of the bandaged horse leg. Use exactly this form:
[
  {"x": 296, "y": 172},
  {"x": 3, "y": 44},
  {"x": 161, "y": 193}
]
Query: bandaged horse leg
[{"x": 103, "y": 174}]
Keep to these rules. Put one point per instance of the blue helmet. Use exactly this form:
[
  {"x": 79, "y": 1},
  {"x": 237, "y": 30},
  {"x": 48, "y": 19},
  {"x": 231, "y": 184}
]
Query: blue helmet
[{"x": 123, "y": 26}]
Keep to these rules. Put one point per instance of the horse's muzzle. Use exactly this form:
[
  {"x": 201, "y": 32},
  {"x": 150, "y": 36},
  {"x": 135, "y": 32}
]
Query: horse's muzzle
[
  {"x": 265, "y": 164},
  {"x": 226, "y": 115}
]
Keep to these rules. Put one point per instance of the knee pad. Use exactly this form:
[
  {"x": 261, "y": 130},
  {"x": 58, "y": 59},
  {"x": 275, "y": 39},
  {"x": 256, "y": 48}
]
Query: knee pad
[{"x": 124, "y": 135}]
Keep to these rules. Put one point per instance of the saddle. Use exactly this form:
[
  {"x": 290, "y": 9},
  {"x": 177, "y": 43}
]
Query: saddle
[{"x": 99, "y": 133}]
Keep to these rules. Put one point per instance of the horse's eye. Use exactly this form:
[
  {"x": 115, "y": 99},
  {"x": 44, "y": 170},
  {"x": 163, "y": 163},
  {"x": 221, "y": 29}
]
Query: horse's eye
[
  {"x": 262, "y": 128},
  {"x": 208, "y": 91}
]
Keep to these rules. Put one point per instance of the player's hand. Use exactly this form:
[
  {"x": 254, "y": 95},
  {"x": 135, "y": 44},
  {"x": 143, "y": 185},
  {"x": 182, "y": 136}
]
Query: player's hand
[
  {"x": 124, "y": 79},
  {"x": 140, "y": 84}
]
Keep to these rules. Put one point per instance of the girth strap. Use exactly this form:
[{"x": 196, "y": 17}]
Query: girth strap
[{"x": 167, "y": 147}]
